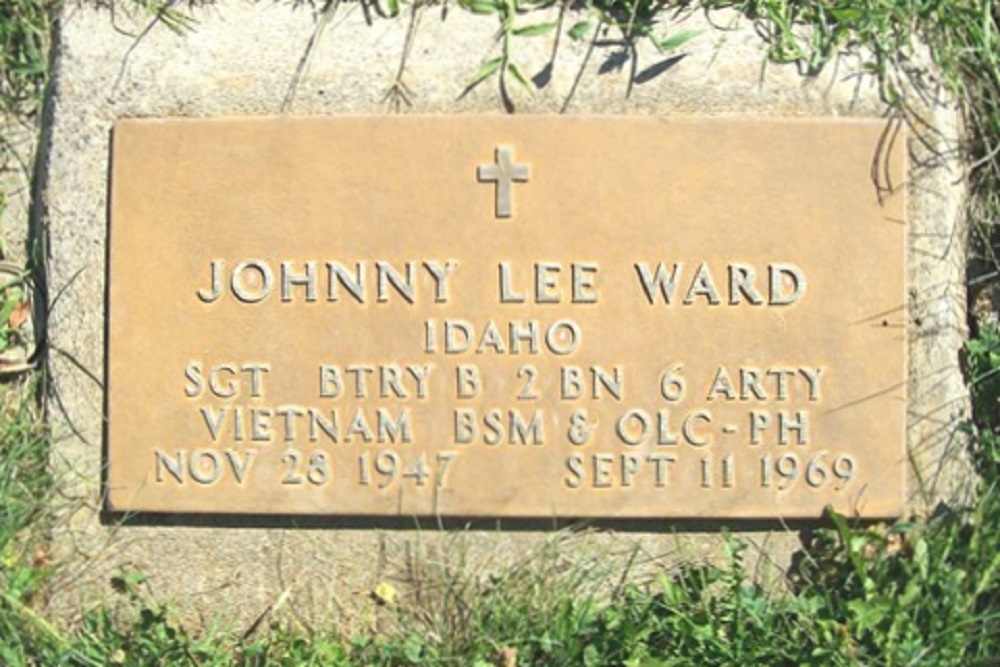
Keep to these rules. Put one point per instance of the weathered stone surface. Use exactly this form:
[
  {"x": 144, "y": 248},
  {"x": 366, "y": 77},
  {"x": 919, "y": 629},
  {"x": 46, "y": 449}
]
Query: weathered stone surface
[{"x": 258, "y": 59}]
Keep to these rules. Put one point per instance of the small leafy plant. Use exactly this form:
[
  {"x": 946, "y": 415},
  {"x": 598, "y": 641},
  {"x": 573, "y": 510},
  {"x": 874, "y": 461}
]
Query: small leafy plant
[
  {"x": 627, "y": 22},
  {"x": 15, "y": 310},
  {"x": 983, "y": 370}
]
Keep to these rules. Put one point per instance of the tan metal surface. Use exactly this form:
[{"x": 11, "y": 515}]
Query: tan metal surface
[{"x": 298, "y": 308}]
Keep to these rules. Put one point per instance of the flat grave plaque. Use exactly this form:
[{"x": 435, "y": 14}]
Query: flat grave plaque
[{"x": 506, "y": 317}]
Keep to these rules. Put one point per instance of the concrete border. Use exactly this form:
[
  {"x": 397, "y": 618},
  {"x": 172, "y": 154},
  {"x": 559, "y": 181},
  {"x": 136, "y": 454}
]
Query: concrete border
[{"x": 254, "y": 58}]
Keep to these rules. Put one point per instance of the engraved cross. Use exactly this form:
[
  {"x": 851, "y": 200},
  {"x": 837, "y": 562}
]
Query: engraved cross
[{"x": 503, "y": 172}]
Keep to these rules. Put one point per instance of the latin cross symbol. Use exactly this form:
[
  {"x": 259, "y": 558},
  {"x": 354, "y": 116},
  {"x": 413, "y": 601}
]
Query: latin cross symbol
[{"x": 503, "y": 172}]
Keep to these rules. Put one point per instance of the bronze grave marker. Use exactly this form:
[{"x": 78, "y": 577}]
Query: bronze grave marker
[{"x": 506, "y": 317}]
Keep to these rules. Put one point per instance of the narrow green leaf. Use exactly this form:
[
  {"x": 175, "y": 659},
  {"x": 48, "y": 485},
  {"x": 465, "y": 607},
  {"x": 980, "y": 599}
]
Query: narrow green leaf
[
  {"x": 910, "y": 595},
  {"x": 28, "y": 69},
  {"x": 177, "y": 21},
  {"x": 677, "y": 40},
  {"x": 393, "y": 6},
  {"x": 516, "y": 73},
  {"x": 535, "y": 30},
  {"x": 579, "y": 31},
  {"x": 847, "y": 14},
  {"x": 488, "y": 68},
  {"x": 7, "y": 307},
  {"x": 481, "y": 6},
  {"x": 839, "y": 523}
]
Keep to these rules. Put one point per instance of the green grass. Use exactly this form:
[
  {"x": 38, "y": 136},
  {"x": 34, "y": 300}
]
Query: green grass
[
  {"x": 24, "y": 489},
  {"x": 25, "y": 27},
  {"x": 25, "y": 485},
  {"x": 925, "y": 592}
]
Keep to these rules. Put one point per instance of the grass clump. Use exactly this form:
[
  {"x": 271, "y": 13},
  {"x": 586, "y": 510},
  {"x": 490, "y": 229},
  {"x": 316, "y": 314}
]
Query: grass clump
[
  {"x": 983, "y": 369},
  {"x": 25, "y": 31},
  {"x": 24, "y": 487},
  {"x": 907, "y": 594},
  {"x": 536, "y": 610}
]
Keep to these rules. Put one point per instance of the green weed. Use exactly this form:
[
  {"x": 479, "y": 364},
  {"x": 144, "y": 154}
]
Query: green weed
[
  {"x": 25, "y": 27},
  {"x": 25, "y": 486},
  {"x": 537, "y": 608},
  {"x": 983, "y": 370},
  {"x": 703, "y": 614},
  {"x": 14, "y": 310},
  {"x": 620, "y": 25}
]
